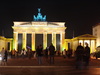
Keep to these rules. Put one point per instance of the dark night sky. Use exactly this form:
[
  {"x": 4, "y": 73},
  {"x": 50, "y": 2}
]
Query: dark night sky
[{"x": 79, "y": 15}]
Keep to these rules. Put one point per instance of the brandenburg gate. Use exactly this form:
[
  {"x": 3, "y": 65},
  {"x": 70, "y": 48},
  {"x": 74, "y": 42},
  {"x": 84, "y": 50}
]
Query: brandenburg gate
[{"x": 38, "y": 26}]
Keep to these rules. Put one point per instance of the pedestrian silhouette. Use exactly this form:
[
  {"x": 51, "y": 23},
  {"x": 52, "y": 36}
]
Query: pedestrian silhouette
[
  {"x": 86, "y": 56},
  {"x": 51, "y": 53},
  {"x": 79, "y": 56}
]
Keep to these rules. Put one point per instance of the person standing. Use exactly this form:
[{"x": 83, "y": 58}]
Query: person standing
[
  {"x": 51, "y": 53},
  {"x": 5, "y": 57},
  {"x": 79, "y": 56},
  {"x": 64, "y": 53},
  {"x": 29, "y": 53},
  {"x": 23, "y": 53},
  {"x": 39, "y": 52},
  {"x": 46, "y": 53},
  {"x": 69, "y": 53},
  {"x": 13, "y": 52},
  {"x": 2, "y": 55},
  {"x": 86, "y": 55}
]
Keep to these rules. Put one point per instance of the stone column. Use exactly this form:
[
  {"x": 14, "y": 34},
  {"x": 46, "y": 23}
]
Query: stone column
[
  {"x": 90, "y": 42},
  {"x": 90, "y": 46},
  {"x": 95, "y": 43},
  {"x": 10, "y": 45},
  {"x": 44, "y": 40},
  {"x": 93, "y": 46},
  {"x": 54, "y": 39},
  {"x": 24, "y": 40},
  {"x": 62, "y": 37},
  {"x": 15, "y": 42},
  {"x": 33, "y": 41}
]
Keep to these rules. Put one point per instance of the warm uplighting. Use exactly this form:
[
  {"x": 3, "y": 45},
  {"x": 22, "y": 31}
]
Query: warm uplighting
[
  {"x": 0, "y": 57},
  {"x": 81, "y": 41},
  {"x": 87, "y": 41},
  {"x": 39, "y": 27}
]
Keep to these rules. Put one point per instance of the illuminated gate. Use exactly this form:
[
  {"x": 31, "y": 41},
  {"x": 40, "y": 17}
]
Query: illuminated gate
[{"x": 39, "y": 26}]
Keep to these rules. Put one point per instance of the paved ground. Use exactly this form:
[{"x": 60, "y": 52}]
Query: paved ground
[
  {"x": 48, "y": 71},
  {"x": 19, "y": 66},
  {"x": 59, "y": 61}
]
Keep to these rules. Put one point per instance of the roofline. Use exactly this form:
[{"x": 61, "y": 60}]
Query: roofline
[{"x": 96, "y": 25}]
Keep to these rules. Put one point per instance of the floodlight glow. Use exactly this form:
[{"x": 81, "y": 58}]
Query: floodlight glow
[
  {"x": 0, "y": 57},
  {"x": 87, "y": 41},
  {"x": 81, "y": 41}
]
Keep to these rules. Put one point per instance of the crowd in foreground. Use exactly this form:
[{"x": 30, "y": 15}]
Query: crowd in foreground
[{"x": 81, "y": 54}]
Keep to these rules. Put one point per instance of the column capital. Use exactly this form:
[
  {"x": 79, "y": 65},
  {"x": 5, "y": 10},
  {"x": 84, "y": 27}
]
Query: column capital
[
  {"x": 45, "y": 32},
  {"x": 24, "y": 32},
  {"x": 54, "y": 33},
  {"x": 33, "y": 32},
  {"x": 16, "y": 32}
]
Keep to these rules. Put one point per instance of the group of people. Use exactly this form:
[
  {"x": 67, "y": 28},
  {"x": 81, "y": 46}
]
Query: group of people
[
  {"x": 67, "y": 53},
  {"x": 49, "y": 50},
  {"x": 23, "y": 53},
  {"x": 82, "y": 55},
  {"x": 27, "y": 53},
  {"x": 39, "y": 53}
]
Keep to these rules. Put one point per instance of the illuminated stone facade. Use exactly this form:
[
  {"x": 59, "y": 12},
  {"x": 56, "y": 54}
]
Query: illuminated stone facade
[
  {"x": 5, "y": 43},
  {"x": 38, "y": 27},
  {"x": 41, "y": 26},
  {"x": 73, "y": 43},
  {"x": 96, "y": 32}
]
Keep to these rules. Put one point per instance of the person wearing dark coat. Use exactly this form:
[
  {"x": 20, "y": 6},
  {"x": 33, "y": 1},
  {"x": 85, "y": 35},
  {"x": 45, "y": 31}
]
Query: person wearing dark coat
[
  {"x": 79, "y": 56},
  {"x": 51, "y": 53},
  {"x": 5, "y": 55},
  {"x": 29, "y": 52},
  {"x": 86, "y": 55},
  {"x": 5, "y": 58},
  {"x": 39, "y": 53},
  {"x": 46, "y": 53}
]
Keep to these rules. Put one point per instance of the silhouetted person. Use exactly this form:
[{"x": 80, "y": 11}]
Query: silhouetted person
[
  {"x": 13, "y": 52},
  {"x": 5, "y": 57},
  {"x": 39, "y": 52},
  {"x": 79, "y": 56},
  {"x": 23, "y": 53},
  {"x": 29, "y": 53},
  {"x": 64, "y": 53},
  {"x": 51, "y": 53},
  {"x": 69, "y": 53},
  {"x": 86, "y": 55},
  {"x": 46, "y": 53}
]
